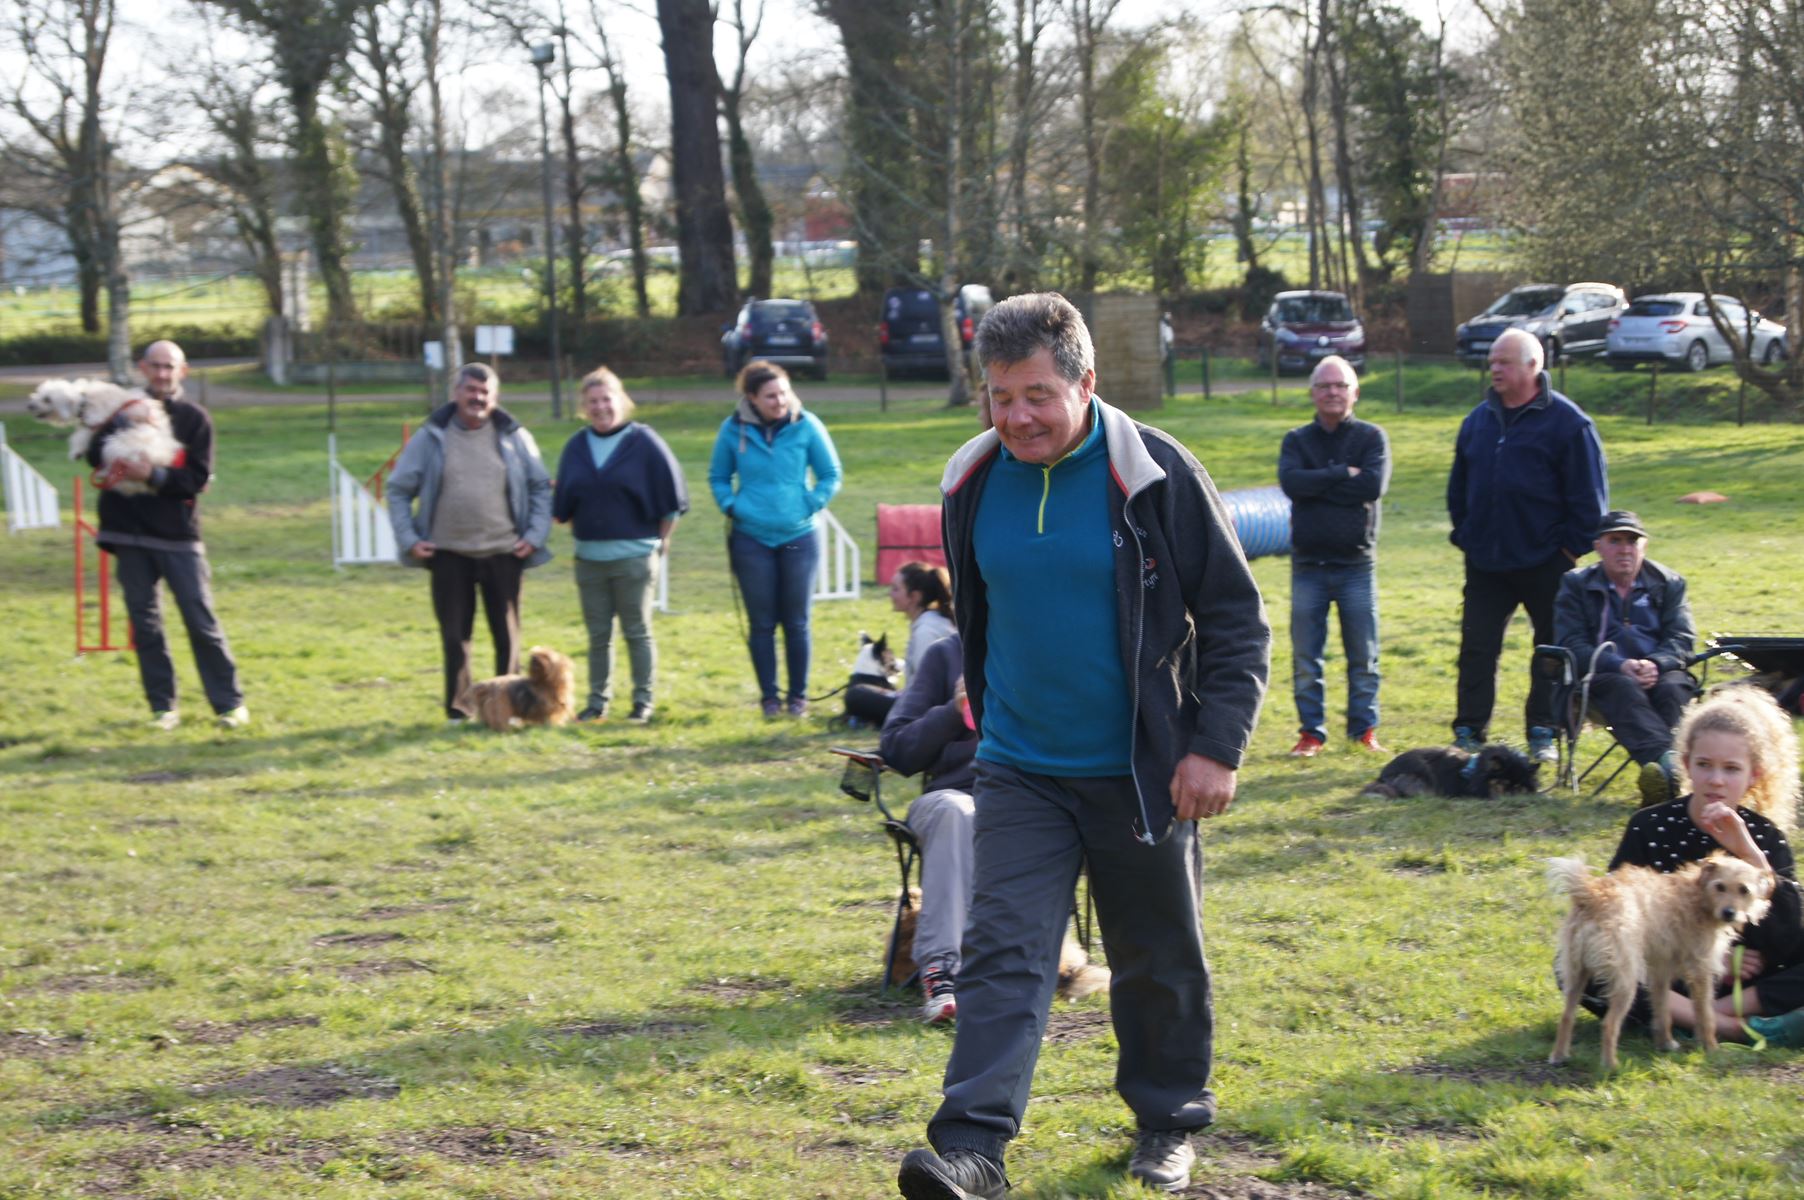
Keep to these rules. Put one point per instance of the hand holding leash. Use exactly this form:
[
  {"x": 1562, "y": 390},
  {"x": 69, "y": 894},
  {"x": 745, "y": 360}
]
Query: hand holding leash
[{"x": 1201, "y": 787}]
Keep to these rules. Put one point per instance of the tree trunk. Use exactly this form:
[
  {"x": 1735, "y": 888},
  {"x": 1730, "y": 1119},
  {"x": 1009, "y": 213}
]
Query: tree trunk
[
  {"x": 1086, "y": 66},
  {"x": 704, "y": 227},
  {"x": 443, "y": 216},
  {"x": 576, "y": 234},
  {"x": 878, "y": 46},
  {"x": 958, "y": 393},
  {"x": 626, "y": 172},
  {"x": 392, "y": 105},
  {"x": 1246, "y": 204},
  {"x": 1023, "y": 252},
  {"x": 755, "y": 218},
  {"x": 327, "y": 184}
]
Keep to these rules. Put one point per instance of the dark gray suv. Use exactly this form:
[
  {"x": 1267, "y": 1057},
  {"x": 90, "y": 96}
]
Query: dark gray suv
[{"x": 1567, "y": 320}]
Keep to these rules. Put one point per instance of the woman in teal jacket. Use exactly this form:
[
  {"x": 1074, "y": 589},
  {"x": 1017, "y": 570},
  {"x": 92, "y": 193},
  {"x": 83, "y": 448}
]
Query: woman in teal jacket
[{"x": 769, "y": 445}]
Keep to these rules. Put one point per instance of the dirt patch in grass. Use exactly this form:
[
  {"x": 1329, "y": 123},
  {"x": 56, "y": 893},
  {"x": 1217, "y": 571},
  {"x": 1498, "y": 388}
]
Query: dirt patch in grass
[
  {"x": 303, "y": 1087},
  {"x": 98, "y": 981},
  {"x": 738, "y": 988},
  {"x": 118, "y": 1172},
  {"x": 370, "y": 968},
  {"x": 36, "y": 1044},
  {"x": 1527, "y": 1074},
  {"x": 1227, "y": 1166},
  {"x": 613, "y": 1029},
  {"x": 476, "y": 1144},
  {"x": 155, "y": 777},
  {"x": 388, "y": 912},
  {"x": 835, "y": 1148},
  {"x": 381, "y": 938},
  {"x": 148, "y": 823},
  {"x": 875, "y": 1010},
  {"x": 221, "y": 1033},
  {"x": 855, "y": 1076},
  {"x": 888, "y": 905},
  {"x": 1076, "y": 1024}
]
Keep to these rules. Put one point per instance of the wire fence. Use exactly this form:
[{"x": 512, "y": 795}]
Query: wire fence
[{"x": 1406, "y": 381}]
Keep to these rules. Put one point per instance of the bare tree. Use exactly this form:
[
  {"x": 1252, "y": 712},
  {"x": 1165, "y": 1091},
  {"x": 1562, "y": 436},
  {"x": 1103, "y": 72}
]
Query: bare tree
[
  {"x": 706, "y": 282},
  {"x": 1089, "y": 20},
  {"x": 57, "y": 97},
  {"x": 229, "y": 100},
  {"x": 624, "y": 175},
  {"x": 309, "y": 41},
  {"x": 755, "y": 219},
  {"x": 388, "y": 69}
]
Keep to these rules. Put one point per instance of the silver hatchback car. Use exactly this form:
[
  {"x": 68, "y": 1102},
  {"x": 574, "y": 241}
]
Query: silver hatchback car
[{"x": 1676, "y": 328}]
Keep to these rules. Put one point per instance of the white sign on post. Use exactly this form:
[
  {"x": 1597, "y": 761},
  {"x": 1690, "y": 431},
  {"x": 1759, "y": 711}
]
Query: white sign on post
[
  {"x": 494, "y": 339},
  {"x": 434, "y": 353}
]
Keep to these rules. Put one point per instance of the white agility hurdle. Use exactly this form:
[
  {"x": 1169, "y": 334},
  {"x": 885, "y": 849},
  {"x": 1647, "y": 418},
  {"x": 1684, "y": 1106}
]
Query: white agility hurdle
[
  {"x": 361, "y": 533},
  {"x": 31, "y": 502},
  {"x": 837, "y": 578}
]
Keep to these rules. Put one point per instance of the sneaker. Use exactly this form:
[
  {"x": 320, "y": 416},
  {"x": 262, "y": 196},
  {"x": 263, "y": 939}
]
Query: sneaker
[
  {"x": 797, "y": 706},
  {"x": 1655, "y": 783},
  {"x": 1369, "y": 739},
  {"x": 595, "y": 712},
  {"x": 1308, "y": 746},
  {"x": 941, "y": 1005},
  {"x": 166, "y": 720},
  {"x": 1541, "y": 746},
  {"x": 1466, "y": 738},
  {"x": 1786, "y": 1031},
  {"x": 957, "y": 1176},
  {"x": 1162, "y": 1159},
  {"x": 238, "y": 718},
  {"x": 641, "y": 714},
  {"x": 456, "y": 719},
  {"x": 772, "y": 708}
]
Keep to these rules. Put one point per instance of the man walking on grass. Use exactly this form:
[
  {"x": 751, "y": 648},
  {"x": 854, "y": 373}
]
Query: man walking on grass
[
  {"x": 483, "y": 517},
  {"x": 154, "y": 537},
  {"x": 1335, "y": 470},
  {"x": 1115, "y": 654},
  {"x": 1526, "y": 493}
]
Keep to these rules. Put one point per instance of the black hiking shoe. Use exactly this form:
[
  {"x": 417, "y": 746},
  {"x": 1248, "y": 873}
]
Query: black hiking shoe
[{"x": 958, "y": 1176}]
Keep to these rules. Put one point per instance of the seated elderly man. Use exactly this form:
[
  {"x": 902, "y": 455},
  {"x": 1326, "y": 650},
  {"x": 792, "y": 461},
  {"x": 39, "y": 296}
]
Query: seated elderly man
[
  {"x": 929, "y": 731},
  {"x": 1628, "y": 623}
]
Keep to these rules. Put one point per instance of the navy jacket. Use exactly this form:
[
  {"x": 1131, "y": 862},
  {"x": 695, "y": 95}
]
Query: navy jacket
[
  {"x": 1526, "y": 485},
  {"x": 1588, "y": 610},
  {"x": 925, "y": 731},
  {"x": 633, "y": 492},
  {"x": 1193, "y": 634},
  {"x": 1334, "y": 515},
  {"x": 166, "y": 517}
]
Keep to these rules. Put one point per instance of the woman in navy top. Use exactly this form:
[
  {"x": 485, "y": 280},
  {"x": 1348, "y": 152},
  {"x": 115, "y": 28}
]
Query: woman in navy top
[{"x": 621, "y": 491}]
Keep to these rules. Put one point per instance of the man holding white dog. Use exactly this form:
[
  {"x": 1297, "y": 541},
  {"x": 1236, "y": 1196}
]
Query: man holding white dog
[
  {"x": 1115, "y": 654},
  {"x": 154, "y": 536},
  {"x": 483, "y": 517}
]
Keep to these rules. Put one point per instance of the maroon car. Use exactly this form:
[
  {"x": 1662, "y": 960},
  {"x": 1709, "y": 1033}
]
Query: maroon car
[{"x": 1306, "y": 327}]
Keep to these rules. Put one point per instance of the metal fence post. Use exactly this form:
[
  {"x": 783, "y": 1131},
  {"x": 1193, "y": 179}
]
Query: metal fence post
[
  {"x": 1653, "y": 393},
  {"x": 1741, "y": 402},
  {"x": 1274, "y": 373},
  {"x": 1206, "y": 373},
  {"x": 1399, "y": 365}
]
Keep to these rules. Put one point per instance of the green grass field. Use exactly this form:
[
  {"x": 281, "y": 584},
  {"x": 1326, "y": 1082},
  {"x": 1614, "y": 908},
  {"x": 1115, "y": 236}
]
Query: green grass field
[{"x": 351, "y": 953}]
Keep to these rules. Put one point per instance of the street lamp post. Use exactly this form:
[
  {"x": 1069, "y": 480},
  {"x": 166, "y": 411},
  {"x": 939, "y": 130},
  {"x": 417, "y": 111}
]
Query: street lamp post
[{"x": 543, "y": 55}]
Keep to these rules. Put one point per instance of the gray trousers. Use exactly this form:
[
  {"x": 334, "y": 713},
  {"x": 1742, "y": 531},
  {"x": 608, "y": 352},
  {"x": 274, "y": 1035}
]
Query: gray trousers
[
  {"x": 1033, "y": 832},
  {"x": 942, "y": 821},
  {"x": 625, "y": 588},
  {"x": 190, "y": 581}
]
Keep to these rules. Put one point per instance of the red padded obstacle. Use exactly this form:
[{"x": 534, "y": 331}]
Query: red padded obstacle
[{"x": 907, "y": 533}]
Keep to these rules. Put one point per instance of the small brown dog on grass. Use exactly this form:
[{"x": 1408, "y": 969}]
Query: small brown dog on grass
[
  {"x": 544, "y": 695},
  {"x": 1078, "y": 976},
  {"x": 1640, "y": 927}
]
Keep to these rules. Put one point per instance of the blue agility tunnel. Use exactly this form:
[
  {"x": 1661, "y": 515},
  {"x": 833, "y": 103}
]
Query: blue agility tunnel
[{"x": 1261, "y": 519}]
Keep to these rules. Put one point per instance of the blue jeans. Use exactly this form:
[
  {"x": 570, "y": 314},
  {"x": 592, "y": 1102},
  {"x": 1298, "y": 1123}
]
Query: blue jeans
[
  {"x": 1354, "y": 590},
  {"x": 777, "y": 584}
]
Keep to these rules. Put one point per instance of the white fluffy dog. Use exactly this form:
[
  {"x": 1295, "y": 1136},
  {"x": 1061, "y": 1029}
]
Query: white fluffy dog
[{"x": 88, "y": 405}]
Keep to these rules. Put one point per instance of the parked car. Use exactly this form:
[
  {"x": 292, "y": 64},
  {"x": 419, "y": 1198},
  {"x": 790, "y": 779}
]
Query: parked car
[
  {"x": 1307, "y": 327},
  {"x": 786, "y": 332},
  {"x": 909, "y": 335},
  {"x": 1676, "y": 328},
  {"x": 1567, "y": 320}
]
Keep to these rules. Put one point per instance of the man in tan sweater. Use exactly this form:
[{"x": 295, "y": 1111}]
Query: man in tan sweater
[{"x": 483, "y": 516}]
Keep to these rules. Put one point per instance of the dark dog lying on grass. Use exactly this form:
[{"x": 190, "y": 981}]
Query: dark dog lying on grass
[{"x": 1495, "y": 770}]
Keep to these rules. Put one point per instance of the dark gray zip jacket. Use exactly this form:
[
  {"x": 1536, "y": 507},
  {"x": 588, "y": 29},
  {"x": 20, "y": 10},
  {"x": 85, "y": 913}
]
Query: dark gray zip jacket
[
  {"x": 1193, "y": 632},
  {"x": 1586, "y": 602}
]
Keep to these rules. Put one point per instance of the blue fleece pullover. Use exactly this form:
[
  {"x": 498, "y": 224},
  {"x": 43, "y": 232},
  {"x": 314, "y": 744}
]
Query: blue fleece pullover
[{"x": 774, "y": 503}]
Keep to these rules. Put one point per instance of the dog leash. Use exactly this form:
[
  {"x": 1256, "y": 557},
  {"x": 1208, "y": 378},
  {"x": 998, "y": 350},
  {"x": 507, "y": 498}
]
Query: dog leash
[{"x": 1759, "y": 1039}]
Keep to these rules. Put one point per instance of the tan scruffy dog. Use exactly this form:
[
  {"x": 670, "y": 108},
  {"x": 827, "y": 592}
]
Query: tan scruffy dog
[
  {"x": 1078, "y": 976},
  {"x": 545, "y": 695},
  {"x": 1640, "y": 927}
]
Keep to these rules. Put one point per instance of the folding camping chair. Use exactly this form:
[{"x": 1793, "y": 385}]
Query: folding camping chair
[
  {"x": 1777, "y": 662},
  {"x": 1572, "y": 709},
  {"x": 862, "y": 780}
]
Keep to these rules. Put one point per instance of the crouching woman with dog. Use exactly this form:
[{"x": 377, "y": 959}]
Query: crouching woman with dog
[
  {"x": 619, "y": 487},
  {"x": 1740, "y": 755},
  {"x": 759, "y": 475}
]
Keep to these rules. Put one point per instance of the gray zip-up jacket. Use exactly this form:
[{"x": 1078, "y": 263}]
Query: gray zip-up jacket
[
  {"x": 1193, "y": 632},
  {"x": 422, "y": 465}
]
